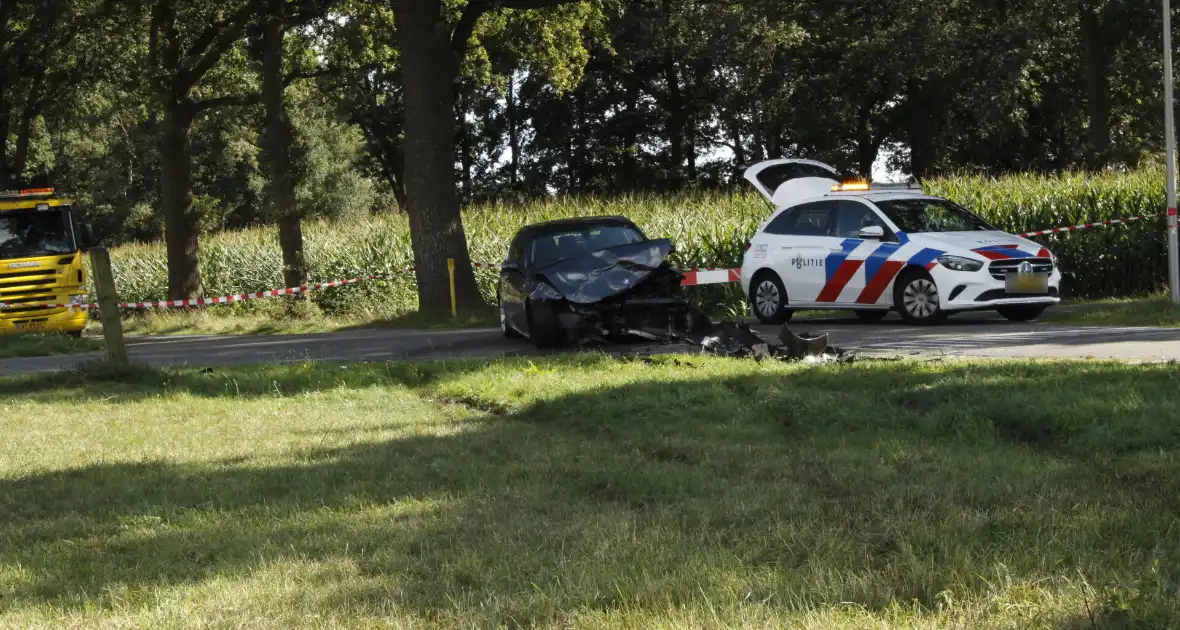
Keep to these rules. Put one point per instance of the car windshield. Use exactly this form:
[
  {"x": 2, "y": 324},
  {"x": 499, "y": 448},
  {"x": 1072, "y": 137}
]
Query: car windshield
[
  {"x": 559, "y": 245},
  {"x": 27, "y": 233},
  {"x": 932, "y": 215}
]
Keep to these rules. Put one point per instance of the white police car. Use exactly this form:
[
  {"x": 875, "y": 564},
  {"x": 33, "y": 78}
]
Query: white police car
[{"x": 873, "y": 248}]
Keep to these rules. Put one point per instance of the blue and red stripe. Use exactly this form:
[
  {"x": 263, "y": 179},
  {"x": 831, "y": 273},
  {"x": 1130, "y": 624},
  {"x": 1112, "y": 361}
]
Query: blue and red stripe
[
  {"x": 1002, "y": 252},
  {"x": 840, "y": 271},
  {"x": 886, "y": 273}
]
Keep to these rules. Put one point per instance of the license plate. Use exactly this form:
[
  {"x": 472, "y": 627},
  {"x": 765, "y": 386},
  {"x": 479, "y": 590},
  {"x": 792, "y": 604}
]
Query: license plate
[
  {"x": 1026, "y": 283},
  {"x": 31, "y": 326}
]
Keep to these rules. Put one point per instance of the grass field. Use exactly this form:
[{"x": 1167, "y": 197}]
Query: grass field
[
  {"x": 586, "y": 492},
  {"x": 1154, "y": 311},
  {"x": 14, "y": 346},
  {"x": 211, "y": 322}
]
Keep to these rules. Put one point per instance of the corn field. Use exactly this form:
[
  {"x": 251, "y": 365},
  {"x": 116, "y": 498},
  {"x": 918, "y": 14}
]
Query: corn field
[{"x": 708, "y": 229}]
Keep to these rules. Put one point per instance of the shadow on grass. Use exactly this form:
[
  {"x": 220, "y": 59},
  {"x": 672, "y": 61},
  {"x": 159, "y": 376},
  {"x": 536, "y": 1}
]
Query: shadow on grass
[
  {"x": 855, "y": 484},
  {"x": 44, "y": 345}
]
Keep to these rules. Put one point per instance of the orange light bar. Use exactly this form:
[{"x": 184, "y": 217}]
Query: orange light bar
[
  {"x": 847, "y": 186},
  {"x": 37, "y": 191}
]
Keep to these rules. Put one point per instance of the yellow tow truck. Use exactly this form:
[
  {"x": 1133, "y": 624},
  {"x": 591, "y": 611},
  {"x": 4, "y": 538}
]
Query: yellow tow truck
[{"x": 41, "y": 263}]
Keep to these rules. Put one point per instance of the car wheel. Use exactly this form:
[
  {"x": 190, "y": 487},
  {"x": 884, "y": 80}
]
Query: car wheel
[
  {"x": 505, "y": 328},
  {"x": 871, "y": 315},
  {"x": 543, "y": 328},
  {"x": 916, "y": 298},
  {"x": 768, "y": 298},
  {"x": 1021, "y": 313}
]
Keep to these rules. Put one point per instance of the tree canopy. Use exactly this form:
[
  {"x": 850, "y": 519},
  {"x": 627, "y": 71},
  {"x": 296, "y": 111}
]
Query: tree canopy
[{"x": 155, "y": 114}]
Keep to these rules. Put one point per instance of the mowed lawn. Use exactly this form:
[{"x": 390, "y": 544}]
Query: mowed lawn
[{"x": 594, "y": 493}]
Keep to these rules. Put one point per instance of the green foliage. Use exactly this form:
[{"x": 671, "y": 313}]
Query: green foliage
[
  {"x": 584, "y": 492},
  {"x": 708, "y": 229}
]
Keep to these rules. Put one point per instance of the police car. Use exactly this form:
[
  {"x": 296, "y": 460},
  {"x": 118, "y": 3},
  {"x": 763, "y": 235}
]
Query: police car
[{"x": 872, "y": 248}]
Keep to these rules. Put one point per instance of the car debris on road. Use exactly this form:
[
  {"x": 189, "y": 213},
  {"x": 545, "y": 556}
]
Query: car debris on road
[{"x": 736, "y": 339}]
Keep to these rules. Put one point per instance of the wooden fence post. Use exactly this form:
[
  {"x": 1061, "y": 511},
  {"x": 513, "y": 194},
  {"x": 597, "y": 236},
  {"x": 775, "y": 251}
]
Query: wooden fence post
[{"x": 108, "y": 305}]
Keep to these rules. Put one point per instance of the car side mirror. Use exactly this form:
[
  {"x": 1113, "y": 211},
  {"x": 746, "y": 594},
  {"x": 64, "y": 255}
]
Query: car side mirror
[
  {"x": 88, "y": 240},
  {"x": 871, "y": 232}
]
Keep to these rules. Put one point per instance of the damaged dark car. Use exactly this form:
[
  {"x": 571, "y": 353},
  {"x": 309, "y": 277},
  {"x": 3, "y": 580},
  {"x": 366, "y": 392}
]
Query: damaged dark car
[{"x": 591, "y": 279}]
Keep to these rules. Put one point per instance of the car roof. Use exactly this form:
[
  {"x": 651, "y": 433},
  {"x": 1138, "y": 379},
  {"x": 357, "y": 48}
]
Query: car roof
[{"x": 573, "y": 222}]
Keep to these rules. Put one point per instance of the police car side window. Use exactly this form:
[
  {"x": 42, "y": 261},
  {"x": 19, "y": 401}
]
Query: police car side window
[
  {"x": 782, "y": 223},
  {"x": 854, "y": 216},
  {"x": 813, "y": 219}
]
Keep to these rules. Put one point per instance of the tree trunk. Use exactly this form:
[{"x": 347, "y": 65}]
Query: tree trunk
[
  {"x": 25, "y": 131},
  {"x": 675, "y": 124},
  {"x": 4, "y": 122},
  {"x": 279, "y": 138},
  {"x": 1097, "y": 86},
  {"x": 513, "y": 134},
  {"x": 466, "y": 158},
  {"x": 866, "y": 146},
  {"x": 20, "y": 159},
  {"x": 429, "y": 69},
  {"x": 182, "y": 224},
  {"x": 393, "y": 164},
  {"x": 739, "y": 152}
]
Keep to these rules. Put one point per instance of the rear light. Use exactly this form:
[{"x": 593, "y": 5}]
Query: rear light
[{"x": 746, "y": 247}]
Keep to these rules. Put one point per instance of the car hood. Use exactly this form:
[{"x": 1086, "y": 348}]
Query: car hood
[
  {"x": 594, "y": 276},
  {"x": 990, "y": 244}
]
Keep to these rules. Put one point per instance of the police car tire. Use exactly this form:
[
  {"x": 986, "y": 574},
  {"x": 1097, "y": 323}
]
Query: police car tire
[
  {"x": 505, "y": 328},
  {"x": 899, "y": 287},
  {"x": 1021, "y": 313},
  {"x": 782, "y": 315},
  {"x": 544, "y": 330}
]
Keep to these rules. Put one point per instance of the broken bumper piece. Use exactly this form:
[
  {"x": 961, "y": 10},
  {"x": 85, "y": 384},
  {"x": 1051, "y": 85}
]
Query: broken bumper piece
[{"x": 731, "y": 339}]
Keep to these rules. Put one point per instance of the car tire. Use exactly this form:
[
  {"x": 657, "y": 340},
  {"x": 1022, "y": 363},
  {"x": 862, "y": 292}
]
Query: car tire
[
  {"x": 506, "y": 329},
  {"x": 1021, "y": 313},
  {"x": 768, "y": 298},
  {"x": 915, "y": 296},
  {"x": 76, "y": 334},
  {"x": 871, "y": 316},
  {"x": 544, "y": 330}
]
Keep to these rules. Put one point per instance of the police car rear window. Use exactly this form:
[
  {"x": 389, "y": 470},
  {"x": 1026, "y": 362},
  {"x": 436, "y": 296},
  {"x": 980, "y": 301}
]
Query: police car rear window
[{"x": 774, "y": 176}]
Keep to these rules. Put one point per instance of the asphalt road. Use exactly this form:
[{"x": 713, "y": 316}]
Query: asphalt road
[{"x": 982, "y": 335}]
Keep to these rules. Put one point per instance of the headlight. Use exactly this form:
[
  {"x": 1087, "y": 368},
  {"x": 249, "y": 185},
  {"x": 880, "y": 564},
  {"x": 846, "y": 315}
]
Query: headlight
[
  {"x": 77, "y": 300},
  {"x": 958, "y": 263}
]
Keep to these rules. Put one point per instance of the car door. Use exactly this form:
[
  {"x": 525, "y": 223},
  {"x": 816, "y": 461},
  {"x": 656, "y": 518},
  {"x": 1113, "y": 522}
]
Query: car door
[
  {"x": 512, "y": 290},
  {"x": 802, "y": 243},
  {"x": 877, "y": 260}
]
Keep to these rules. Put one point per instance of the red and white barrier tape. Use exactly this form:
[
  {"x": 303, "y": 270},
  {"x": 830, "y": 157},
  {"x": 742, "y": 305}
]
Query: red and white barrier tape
[
  {"x": 1086, "y": 226},
  {"x": 695, "y": 277},
  {"x": 692, "y": 277},
  {"x": 226, "y": 299}
]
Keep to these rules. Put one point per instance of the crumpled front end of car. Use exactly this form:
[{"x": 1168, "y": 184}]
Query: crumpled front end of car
[{"x": 623, "y": 291}]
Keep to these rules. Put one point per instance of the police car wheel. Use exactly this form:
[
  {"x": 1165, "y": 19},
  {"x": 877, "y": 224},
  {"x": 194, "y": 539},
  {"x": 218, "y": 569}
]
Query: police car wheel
[
  {"x": 768, "y": 299},
  {"x": 916, "y": 298},
  {"x": 1021, "y": 313}
]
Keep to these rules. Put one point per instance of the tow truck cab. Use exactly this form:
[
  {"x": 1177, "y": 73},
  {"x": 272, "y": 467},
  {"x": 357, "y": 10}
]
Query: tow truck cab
[{"x": 42, "y": 275}]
